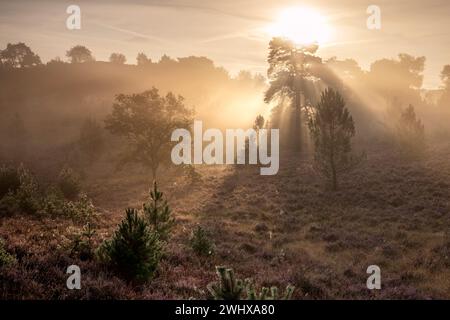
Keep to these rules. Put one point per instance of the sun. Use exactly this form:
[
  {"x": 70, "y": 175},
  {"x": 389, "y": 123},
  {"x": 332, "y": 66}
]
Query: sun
[{"x": 301, "y": 25}]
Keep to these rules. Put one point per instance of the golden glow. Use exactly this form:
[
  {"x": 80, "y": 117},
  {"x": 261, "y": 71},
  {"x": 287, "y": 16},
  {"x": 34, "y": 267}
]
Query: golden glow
[{"x": 301, "y": 25}]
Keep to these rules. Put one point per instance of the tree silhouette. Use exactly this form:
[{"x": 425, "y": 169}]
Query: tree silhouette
[
  {"x": 290, "y": 67},
  {"x": 397, "y": 78},
  {"x": 332, "y": 129},
  {"x": 259, "y": 123},
  {"x": 147, "y": 120},
  {"x": 19, "y": 55},
  {"x": 55, "y": 62},
  {"x": 142, "y": 59},
  {"x": 410, "y": 133},
  {"x": 158, "y": 213},
  {"x": 117, "y": 58},
  {"x": 79, "y": 54}
]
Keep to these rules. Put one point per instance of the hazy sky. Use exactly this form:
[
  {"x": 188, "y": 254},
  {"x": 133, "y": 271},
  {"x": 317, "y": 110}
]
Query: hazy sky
[{"x": 232, "y": 32}]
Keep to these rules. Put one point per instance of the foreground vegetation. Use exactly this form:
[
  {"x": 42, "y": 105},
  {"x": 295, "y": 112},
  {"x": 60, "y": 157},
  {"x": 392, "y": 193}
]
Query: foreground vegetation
[{"x": 319, "y": 242}]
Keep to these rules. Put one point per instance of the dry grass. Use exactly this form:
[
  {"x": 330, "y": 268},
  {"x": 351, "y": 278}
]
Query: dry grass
[{"x": 278, "y": 229}]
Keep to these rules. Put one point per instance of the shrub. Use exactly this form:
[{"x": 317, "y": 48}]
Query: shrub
[
  {"x": 134, "y": 251},
  {"x": 9, "y": 180},
  {"x": 28, "y": 195},
  {"x": 82, "y": 244},
  {"x": 8, "y": 205},
  {"x": 230, "y": 288},
  {"x": 200, "y": 242},
  {"x": 29, "y": 198},
  {"x": 82, "y": 209},
  {"x": 69, "y": 183},
  {"x": 158, "y": 213},
  {"x": 53, "y": 203},
  {"x": 5, "y": 258}
]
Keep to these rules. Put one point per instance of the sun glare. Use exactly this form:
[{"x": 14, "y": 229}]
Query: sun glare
[{"x": 301, "y": 25}]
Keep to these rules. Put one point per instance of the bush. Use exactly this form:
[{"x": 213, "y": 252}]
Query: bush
[
  {"x": 134, "y": 251},
  {"x": 53, "y": 203},
  {"x": 69, "y": 183},
  {"x": 200, "y": 242},
  {"x": 9, "y": 180},
  {"x": 28, "y": 195},
  {"x": 5, "y": 258},
  {"x": 30, "y": 199},
  {"x": 230, "y": 288},
  {"x": 82, "y": 244},
  {"x": 158, "y": 213},
  {"x": 83, "y": 209}
]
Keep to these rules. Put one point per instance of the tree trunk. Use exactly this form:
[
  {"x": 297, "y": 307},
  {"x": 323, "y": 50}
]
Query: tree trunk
[
  {"x": 333, "y": 173},
  {"x": 154, "y": 170},
  {"x": 298, "y": 139}
]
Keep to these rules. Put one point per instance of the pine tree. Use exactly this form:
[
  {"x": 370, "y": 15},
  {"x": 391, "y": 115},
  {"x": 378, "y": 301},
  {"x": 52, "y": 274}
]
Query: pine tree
[
  {"x": 291, "y": 70},
  {"x": 200, "y": 242},
  {"x": 134, "y": 251},
  {"x": 69, "y": 183},
  {"x": 228, "y": 287},
  {"x": 332, "y": 129},
  {"x": 5, "y": 257},
  {"x": 158, "y": 213}
]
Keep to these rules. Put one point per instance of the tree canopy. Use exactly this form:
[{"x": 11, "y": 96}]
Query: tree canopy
[
  {"x": 117, "y": 58},
  {"x": 79, "y": 54},
  {"x": 19, "y": 55},
  {"x": 147, "y": 120},
  {"x": 290, "y": 68}
]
